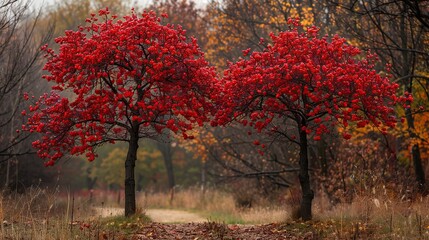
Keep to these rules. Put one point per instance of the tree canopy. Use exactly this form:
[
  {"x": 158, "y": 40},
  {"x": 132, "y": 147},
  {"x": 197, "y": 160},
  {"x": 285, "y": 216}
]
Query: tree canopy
[
  {"x": 128, "y": 79},
  {"x": 124, "y": 74},
  {"x": 299, "y": 84},
  {"x": 304, "y": 78}
]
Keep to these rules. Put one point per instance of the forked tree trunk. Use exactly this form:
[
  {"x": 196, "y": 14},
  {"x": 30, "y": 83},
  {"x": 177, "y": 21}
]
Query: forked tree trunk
[
  {"x": 304, "y": 178},
  {"x": 130, "y": 184}
]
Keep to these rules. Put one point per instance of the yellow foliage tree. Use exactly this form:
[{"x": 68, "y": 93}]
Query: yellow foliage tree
[
  {"x": 149, "y": 167},
  {"x": 70, "y": 14},
  {"x": 235, "y": 25}
]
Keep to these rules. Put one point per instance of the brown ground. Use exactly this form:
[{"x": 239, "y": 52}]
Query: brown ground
[
  {"x": 157, "y": 215},
  {"x": 173, "y": 216},
  {"x": 209, "y": 230},
  {"x": 171, "y": 224}
]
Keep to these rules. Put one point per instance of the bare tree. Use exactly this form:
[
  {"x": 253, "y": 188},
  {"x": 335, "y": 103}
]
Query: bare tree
[
  {"x": 19, "y": 68},
  {"x": 397, "y": 31},
  {"x": 238, "y": 155}
]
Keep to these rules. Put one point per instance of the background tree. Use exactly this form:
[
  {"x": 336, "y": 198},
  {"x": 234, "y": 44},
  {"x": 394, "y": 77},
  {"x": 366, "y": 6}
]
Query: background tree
[
  {"x": 71, "y": 14},
  {"x": 131, "y": 78},
  {"x": 367, "y": 163},
  {"x": 267, "y": 166},
  {"x": 148, "y": 166},
  {"x": 235, "y": 24},
  {"x": 19, "y": 64},
  {"x": 397, "y": 32},
  {"x": 303, "y": 82},
  {"x": 185, "y": 14},
  {"x": 167, "y": 154}
]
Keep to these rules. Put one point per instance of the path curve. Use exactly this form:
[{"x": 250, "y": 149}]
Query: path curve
[{"x": 157, "y": 215}]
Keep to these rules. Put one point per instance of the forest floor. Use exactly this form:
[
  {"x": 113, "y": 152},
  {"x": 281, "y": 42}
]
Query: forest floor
[
  {"x": 40, "y": 215},
  {"x": 156, "y": 215},
  {"x": 180, "y": 224},
  {"x": 212, "y": 230}
]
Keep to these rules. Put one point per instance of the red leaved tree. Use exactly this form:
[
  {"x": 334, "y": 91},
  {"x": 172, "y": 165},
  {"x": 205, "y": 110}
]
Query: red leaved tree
[
  {"x": 128, "y": 79},
  {"x": 302, "y": 83}
]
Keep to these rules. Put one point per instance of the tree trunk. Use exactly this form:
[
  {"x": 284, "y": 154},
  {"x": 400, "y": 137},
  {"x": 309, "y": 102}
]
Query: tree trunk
[
  {"x": 304, "y": 177},
  {"x": 203, "y": 176},
  {"x": 408, "y": 70},
  {"x": 418, "y": 167},
  {"x": 165, "y": 149},
  {"x": 6, "y": 185},
  {"x": 130, "y": 184},
  {"x": 90, "y": 183},
  {"x": 415, "y": 152}
]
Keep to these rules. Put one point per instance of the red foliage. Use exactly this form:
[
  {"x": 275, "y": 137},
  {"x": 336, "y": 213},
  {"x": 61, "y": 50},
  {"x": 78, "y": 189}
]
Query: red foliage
[
  {"x": 310, "y": 80},
  {"x": 121, "y": 75}
]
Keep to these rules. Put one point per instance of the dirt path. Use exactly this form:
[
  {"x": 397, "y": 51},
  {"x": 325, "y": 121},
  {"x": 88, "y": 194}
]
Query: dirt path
[
  {"x": 157, "y": 215},
  {"x": 174, "y": 216},
  {"x": 108, "y": 211}
]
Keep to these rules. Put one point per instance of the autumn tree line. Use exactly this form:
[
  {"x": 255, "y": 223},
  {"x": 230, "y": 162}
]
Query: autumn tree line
[{"x": 343, "y": 162}]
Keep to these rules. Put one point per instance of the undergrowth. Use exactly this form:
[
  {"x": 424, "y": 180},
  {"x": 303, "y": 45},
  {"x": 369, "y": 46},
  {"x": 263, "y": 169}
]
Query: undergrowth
[{"x": 49, "y": 214}]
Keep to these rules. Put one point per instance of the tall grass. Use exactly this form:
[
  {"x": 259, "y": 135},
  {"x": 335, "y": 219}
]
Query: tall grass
[
  {"x": 48, "y": 214},
  {"x": 374, "y": 214},
  {"x": 215, "y": 205},
  {"x": 380, "y": 214},
  {"x": 40, "y": 213}
]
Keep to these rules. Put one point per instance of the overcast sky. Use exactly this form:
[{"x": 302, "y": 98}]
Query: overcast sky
[{"x": 39, "y": 3}]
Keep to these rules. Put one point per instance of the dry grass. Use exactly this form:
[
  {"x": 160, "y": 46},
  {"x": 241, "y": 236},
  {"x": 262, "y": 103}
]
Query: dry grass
[
  {"x": 215, "y": 205},
  {"x": 261, "y": 215},
  {"x": 40, "y": 214},
  {"x": 380, "y": 215},
  {"x": 46, "y": 214},
  {"x": 192, "y": 198},
  {"x": 374, "y": 215}
]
